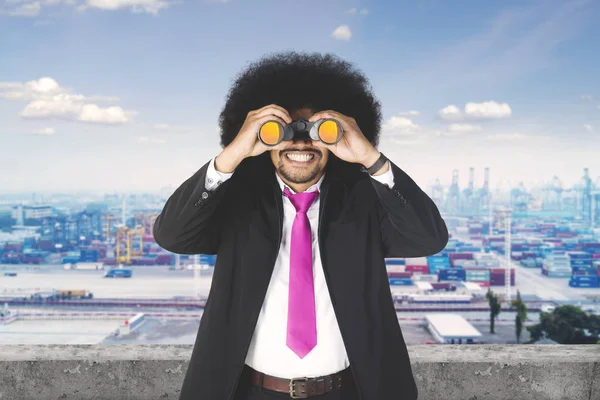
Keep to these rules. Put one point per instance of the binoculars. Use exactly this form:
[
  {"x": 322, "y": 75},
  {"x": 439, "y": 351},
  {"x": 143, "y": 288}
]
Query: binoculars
[{"x": 327, "y": 130}]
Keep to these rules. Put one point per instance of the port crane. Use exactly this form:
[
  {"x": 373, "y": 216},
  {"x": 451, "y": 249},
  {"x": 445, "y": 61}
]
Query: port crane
[{"x": 125, "y": 249}]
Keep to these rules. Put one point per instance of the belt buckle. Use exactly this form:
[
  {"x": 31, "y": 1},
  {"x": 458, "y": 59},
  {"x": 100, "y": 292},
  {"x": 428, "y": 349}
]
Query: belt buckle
[{"x": 293, "y": 394}]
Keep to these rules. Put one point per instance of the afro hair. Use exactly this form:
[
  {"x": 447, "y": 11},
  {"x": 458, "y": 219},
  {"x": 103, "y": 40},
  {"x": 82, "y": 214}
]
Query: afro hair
[{"x": 295, "y": 80}]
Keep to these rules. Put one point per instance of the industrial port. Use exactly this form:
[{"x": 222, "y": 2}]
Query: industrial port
[{"x": 64, "y": 261}]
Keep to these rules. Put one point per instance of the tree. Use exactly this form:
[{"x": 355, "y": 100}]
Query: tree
[
  {"x": 521, "y": 316},
  {"x": 494, "y": 308},
  {"x": 567, "y": 324}
]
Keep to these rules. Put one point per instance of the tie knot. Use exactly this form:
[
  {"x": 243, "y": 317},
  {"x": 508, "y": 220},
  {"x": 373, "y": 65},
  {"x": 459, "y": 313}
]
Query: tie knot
[{"x": 301, "y": 201}]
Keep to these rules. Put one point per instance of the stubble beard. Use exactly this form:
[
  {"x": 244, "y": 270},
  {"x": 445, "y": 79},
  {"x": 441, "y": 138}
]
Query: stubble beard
[{"x": 297, "y": 175}]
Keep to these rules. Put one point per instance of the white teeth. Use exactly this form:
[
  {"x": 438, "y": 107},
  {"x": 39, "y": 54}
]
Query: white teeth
[{"x": 300, "y": 157}]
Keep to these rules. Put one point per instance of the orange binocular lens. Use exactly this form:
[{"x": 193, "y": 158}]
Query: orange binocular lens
[
  {"x": 328, "y": 131},
  {"x": 271, "y": 133}
]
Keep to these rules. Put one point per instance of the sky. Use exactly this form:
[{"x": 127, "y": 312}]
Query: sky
[{"x": 125, "y": 95}]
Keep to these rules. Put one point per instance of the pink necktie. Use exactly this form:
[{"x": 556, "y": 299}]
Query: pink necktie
[{"x": 301, "y": 324}]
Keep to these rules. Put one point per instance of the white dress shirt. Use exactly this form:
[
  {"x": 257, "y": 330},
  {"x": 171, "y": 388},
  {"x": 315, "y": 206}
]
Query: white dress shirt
[{"x": 268, "y": 352}]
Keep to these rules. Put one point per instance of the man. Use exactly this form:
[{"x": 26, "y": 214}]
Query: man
[{"x": 300, "y": 304}]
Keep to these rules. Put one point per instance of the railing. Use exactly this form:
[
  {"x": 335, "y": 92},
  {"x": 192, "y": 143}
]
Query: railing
[{"x": 448, "y": 372}]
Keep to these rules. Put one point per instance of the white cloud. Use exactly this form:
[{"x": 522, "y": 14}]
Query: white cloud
[
  {"x": 506, "y": 136},
  {"x": 488, "y": 109},
  {"x": 45, "y": 131},
  {"x": 33, "y": 8},
  {"x": 27, "y": 10},
  {"x": 450, "y": 113},
  {"x": 588, "y": 127},
  {"x": 400, "y": 126},
  {"x": 484, "y": 110},
  {"x": 410, "y": 114},
  {"x": 464, "y": 128},
  {"x": 110, "y": 115},
  {"x": 136, "y": 6},
  {"x": 342, "y": 32},
  {"x": 48, "y": 100},
  {"x": 586, "y": 98}
]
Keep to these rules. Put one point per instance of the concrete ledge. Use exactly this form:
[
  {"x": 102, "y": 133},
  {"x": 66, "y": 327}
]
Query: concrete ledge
[{"x": 448, "y": 372}]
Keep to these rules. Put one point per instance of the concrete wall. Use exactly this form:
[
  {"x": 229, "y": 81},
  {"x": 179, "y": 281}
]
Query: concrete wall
[{"x": 442, "y": 372}]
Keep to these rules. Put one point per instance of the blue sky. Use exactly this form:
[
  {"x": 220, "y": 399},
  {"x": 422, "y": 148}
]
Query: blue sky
[{"x": 125, "y": 94}]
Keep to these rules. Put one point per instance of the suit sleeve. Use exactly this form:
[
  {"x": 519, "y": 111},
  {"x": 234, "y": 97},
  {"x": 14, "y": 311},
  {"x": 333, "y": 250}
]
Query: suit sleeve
[
  {"x": 190, "y": 221},
  {"x": 410, "y": 222}
]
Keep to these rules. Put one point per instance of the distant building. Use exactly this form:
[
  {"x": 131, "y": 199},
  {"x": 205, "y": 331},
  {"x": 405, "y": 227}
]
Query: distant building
[
  {"x": 451, "y": 329},
  {"x": 22, "y": 213}
]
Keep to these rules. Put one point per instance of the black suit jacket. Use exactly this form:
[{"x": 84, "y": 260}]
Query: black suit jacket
[{"x": 361, "y": 222}]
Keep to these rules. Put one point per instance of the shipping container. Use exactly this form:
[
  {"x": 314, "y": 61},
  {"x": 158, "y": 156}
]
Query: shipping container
[
  {"x": 165, "y": 259},
  {"x": 577, "y": 255},
  {"x": 423, "y": 269},
  {"x": 118, "y": 273},
  {"x": 433, "y": 269},
  {"x": 500, "y": 280},
  {"x": 32, "y": 260},
  {"x": 443, "y": 285},
  {"x": 583, "y": 281},
  {"x": 69, "y": 260},
  {"x": 400, "y": 282},
  {"x": 461, "y": 262},
  {"x": 401, "y": 275},
  {"x": 143, "y": 260},
  {"x": 461, "y": 256},
  {"x": 454, "y": 274},
  {"x": 501, "y": 271},
  {"x": 583, "y": 270},
  {"x": 13, "y": 246},
  {"x": 416, "y": 261},
  {"x": 424, "y": 278},
  {"x": 469, "y": 249},
  {"x": 396, "y": 268},
  {"x": 438, "y": 260},
  {"x": 581, "y": 262},
  {"x": 12, "y": 257},
  {"x": 395, "y": 261},
  {"x": 489, "y": 264}
]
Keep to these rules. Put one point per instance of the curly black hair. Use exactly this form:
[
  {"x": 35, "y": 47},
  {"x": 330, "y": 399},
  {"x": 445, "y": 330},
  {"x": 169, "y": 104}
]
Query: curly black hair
[{"x": 295, "y": 80}]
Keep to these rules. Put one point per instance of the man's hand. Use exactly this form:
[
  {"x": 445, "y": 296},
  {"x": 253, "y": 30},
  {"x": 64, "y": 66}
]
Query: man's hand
[
  {"x": 246, "y": 142},
  {"x": 354, "y": 146}
]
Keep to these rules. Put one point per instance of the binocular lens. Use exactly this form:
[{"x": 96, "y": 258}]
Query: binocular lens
[
  {"x": 329, "y": 132},
  {"x": 271, "y": 133}
]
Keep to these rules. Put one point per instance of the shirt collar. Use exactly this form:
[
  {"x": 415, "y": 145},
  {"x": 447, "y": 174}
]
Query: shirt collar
[{"x": 314, "y": 187}]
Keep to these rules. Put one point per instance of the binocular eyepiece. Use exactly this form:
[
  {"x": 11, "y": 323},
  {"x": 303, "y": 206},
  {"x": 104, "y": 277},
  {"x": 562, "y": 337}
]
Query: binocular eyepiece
[{"x": 327, "y": 130}]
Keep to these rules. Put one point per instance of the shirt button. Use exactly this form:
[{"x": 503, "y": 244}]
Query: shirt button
[
  {"x": 210, "y": 180},
  {"x": 204, "y": 195}
]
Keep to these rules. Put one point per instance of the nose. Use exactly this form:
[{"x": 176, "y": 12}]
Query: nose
[{"x": 302, "y": 141}]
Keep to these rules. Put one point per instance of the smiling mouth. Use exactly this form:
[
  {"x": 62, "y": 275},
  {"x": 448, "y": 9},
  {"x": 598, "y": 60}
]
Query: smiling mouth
[{"x": 300, "y": 156}]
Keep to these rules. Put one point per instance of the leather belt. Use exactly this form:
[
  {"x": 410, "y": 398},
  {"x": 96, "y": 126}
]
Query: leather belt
[{"x": 302, "y": 388}]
